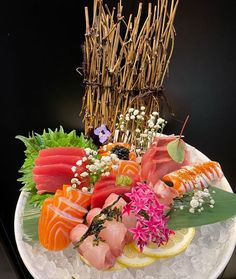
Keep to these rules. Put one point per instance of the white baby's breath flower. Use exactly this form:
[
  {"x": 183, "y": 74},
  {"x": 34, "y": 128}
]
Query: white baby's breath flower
[
  {"x": 212, "y": 201},
  {"x": 143, "y": 135},
  {"x": 84, "y": 174},
  {"x": 131, "y": 110},
  {"x": 132, "y": 117},
  {"x": 142, "y": 108},
  {"x": 194, "y": 203},
  {"x": 137, "y": 130},
  {"x": 136, "y": 112},
  {"x": 84, "y": 159},
  {"x": 122, "y": 127},
  {"x": 151, "y": 125},
  {"x": 191, "y": 210},
  {"x": 79, "y": 163},
  {"x": 74, "y": 168},
  {"x": 160, "y": 121},
  {"x": 155, "y": 113},
  {"x": 143, "y": 113},
  {"x": 139, "y": 116}
]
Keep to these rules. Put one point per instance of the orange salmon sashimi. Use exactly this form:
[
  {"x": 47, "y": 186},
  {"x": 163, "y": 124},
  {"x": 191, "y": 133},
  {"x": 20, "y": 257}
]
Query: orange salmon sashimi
[
  {"x": 55, "y": 227},
  {"x": 127, "y": 167},
  {"x": 197, "y": 176},
  {"x": 69, "y": 207},
  {"x": 59, "y": 215},
  {"x": 77, "y": 196}
]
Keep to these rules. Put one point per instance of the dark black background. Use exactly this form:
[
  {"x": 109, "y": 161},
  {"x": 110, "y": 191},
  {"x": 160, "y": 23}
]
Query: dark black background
[{"x": 40, "y": 48}]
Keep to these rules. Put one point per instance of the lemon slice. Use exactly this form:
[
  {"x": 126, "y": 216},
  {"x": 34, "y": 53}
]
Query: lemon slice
[
  {"x": 117, "y": 265},
  {"x": 133, "y": 258},
  {"x": 176, "y": 245}
]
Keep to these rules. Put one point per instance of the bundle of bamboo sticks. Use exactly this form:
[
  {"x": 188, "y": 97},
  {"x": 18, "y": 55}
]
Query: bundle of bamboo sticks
[{"x": 125, "y": 63}]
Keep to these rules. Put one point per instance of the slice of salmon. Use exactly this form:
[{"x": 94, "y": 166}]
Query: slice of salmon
[
  {"x": 196, "y": 176},
  {"x": 72, "y": 151},
  {"x": 69, "y": 207},
  {"x": 127, "y": 167},
  {"x": 55, "y": 227},
  {"x": 77, "y": 196}
]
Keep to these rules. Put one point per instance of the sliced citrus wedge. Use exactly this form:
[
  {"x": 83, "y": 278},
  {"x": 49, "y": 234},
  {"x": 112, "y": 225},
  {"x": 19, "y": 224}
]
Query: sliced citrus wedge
[
  {"x": 133, "y": 258},
  {"x": 176, "y": 245}
]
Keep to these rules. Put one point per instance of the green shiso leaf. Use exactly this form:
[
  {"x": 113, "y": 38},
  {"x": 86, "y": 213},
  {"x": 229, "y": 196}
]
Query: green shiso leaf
[
  {"x": 35, "y": 142},
  {"x": 30, "y": 221},
  {"x": 176, "y": 150},
  {"x": 224, "y": 208}
]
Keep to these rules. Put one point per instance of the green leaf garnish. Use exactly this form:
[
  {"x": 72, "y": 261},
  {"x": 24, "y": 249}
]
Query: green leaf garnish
[
  {"x": 35, "y": 142},
  {"x": 224, "y": 208},
  {"x": 176, "y": 150},
  {"x": 30, "y": 221}
]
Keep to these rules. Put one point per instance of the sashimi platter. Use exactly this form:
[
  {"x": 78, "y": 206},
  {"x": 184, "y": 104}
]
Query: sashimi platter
[{"x": 122, "y": 199}]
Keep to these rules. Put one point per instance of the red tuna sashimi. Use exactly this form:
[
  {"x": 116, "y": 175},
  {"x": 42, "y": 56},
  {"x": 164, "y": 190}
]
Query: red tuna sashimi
[
  {"x": 156, "y": 162},
  {"x": 57, "y": 159},
  {"x": 50, "y": 184},
  {"x": 71, "y": 151},
  {"x": 52, "y": 177},
  {"x": 55, "y": 170},
  {"x": 105, "y": 181},
  {"x": 99, "y": 197}
]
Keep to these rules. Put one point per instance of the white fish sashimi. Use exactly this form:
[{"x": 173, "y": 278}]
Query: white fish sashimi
[
  {"x": 112, "y": 198},
  {"x": 77, "y": 232},
  {"x": 114, "y": 235},
  {"x": 99, "y": 256},
  {"x": 92, "y": 213}
]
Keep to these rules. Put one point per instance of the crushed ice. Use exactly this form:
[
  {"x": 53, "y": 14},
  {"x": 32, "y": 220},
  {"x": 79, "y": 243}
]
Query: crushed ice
[{"x": 198, "y": 260}]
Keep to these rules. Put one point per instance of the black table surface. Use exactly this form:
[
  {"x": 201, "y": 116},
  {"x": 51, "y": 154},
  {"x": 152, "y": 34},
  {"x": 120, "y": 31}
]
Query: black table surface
[{"x": 40, "y": 48}]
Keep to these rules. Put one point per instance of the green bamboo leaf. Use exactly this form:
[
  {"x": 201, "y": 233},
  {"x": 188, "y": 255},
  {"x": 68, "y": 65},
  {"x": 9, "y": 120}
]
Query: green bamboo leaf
[
  {"x": 224, "y": 208},
  {"x": 176, "y": 150},
  {"x": 30, "y": 222}
]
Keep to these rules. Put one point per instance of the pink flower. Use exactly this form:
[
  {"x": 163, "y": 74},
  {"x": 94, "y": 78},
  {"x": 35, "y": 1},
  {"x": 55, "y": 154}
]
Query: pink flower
[
  {"x": 151, "y": 220},
  {"x": 140, "y": 232},
  {"x": 127, "y": 209}
]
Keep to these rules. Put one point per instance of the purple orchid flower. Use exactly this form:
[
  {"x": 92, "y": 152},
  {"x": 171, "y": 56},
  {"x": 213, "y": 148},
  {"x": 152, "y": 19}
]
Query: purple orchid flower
[{"x": 103, "y": 133}]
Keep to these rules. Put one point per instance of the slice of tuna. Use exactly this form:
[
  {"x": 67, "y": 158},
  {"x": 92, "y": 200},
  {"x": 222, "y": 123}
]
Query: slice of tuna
[
  {"x": 48, "y": 183},
  {"x": 54, "y": 170},
  {"x": 99, "y": 197},
  {"x": 72, "y": 151},
  {"x": 57, "y": 159}
]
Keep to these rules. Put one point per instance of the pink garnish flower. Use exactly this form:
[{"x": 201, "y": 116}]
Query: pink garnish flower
[{"x": 151, "y": 223}]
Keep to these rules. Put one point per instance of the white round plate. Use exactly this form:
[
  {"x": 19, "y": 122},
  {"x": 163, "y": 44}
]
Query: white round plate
[{"x": 31, "y": 256}]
